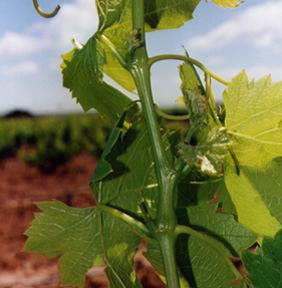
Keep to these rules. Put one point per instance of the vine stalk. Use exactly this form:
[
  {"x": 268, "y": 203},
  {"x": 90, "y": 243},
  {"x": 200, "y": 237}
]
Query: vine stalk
[{"x": 166, "y": 175}]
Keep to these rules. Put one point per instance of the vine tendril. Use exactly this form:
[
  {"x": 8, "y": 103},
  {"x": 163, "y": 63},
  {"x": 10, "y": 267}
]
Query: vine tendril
[{"x": 44, "y": 14}]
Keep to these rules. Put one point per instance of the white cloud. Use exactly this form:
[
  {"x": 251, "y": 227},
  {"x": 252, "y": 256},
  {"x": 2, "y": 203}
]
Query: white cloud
[
  {"x": 259, "y": 25},
  {"x": 19, "y": 69},
  {"x": 14, "y": 44},
  {"x": 76, "y": 20}
]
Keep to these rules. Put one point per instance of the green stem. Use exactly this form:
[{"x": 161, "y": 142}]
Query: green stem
[
  {"x": 166, "y": 176},
  {"x": 172, "y": 117},
  {"x": 137, "y": 226},
  {"x": 190, "y": 60},
  {"x": 217, "y": 246},
  {"x": 209, "y": 90}
]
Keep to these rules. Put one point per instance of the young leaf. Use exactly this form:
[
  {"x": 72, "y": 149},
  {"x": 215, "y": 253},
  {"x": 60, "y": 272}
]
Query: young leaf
[
  {"x": 228, "y": 3},
  {"x": 190, "y": 82},
  {"x": 264, "y": 267},
  {"x": 195, "y": 100},
  {"x": 209, "y": 153},
  {"x": 253, "y": 120},
  {"x": 197, "y": 260},
  {"x": 82, "y": 74},
  {"x": 83, "y": 238},
  {"x": 210, "y": 143}
]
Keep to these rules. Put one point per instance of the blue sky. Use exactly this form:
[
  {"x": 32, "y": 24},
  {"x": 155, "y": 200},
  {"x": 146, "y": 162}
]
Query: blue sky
[{"x": 227, "y": 41}]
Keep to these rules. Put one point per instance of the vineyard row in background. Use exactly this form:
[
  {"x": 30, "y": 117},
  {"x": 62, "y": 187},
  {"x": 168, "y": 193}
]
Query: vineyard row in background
[{"x": 52, "y": 140}]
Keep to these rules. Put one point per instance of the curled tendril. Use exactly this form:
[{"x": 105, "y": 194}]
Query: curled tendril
[{"x": 44, "y": 14}]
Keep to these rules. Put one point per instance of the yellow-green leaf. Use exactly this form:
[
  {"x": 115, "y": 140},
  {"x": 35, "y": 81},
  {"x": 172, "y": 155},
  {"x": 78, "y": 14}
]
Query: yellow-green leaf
[
  {"x": 115, "y": 19},
  {"x": 253, "y": 120},
  {"x": 253, "y": 209},
  {"x": 227, "y": 3}
]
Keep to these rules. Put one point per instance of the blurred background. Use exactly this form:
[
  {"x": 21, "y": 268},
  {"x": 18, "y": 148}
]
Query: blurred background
[{"x": 49, "y": 148}]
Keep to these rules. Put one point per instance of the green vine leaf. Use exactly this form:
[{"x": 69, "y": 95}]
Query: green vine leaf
[
  {"x": 196, "y": 257},
  {"x": 224, "y": 227},
  {"x": 83, "y": 238},
  {"x": 253, "y": 120},
  {"x": 82, "y": 74},
  {"x": 115, "y": 26},
  {"x": 228, "y": 3},
  {"x": 163, "y": 14},
  {"x": 104, "y": 167},
  {"x": 264, "y": 267},
  {"x": 131, "y": 182},
  {"x": 205, "y": 191}
]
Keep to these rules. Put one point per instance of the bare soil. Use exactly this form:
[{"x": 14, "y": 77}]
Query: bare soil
[{"x": 20, "y": 187}]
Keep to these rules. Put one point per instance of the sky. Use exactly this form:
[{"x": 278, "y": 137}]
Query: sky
[{"x": 225, "y": 40}]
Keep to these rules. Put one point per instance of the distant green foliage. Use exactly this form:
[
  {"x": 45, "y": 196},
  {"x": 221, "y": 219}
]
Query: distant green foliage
[{"x": 49, "y": 141}]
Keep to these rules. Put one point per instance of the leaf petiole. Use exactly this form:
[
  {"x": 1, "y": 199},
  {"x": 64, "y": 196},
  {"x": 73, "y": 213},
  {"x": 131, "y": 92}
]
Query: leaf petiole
[
  {"x": 112, "y": 47},
  {"x": 135, "y": 224}
]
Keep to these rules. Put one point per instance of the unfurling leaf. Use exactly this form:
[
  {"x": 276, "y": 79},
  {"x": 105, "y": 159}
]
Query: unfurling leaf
[
  {"x": 210, "y": 143},
  {"x": 208, "y": 154},
  {"x": 194, "y": 98}
]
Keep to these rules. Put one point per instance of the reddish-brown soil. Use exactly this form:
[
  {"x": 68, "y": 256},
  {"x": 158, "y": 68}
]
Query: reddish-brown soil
[{"x": 20, "y": 187}]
